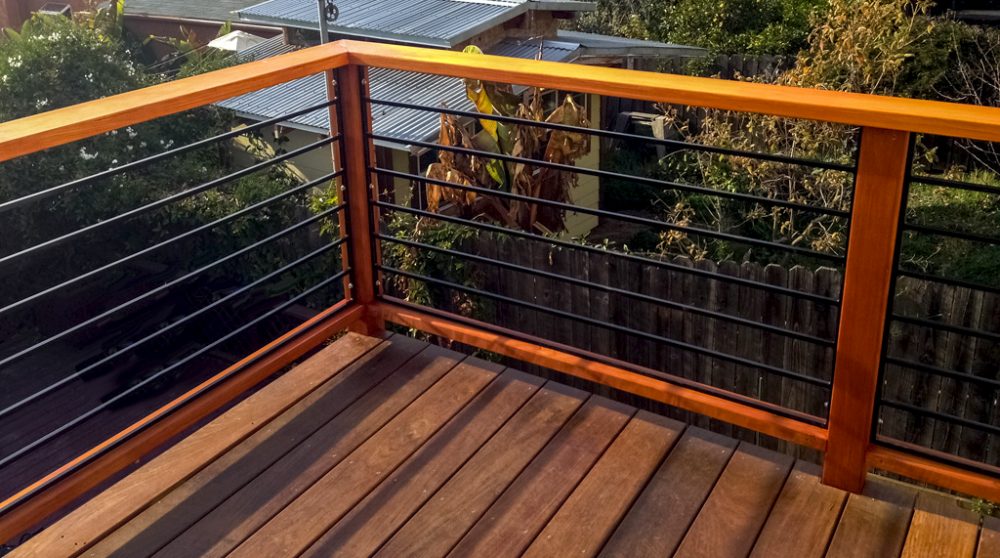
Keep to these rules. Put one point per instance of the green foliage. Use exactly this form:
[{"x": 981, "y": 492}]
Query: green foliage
[
  {"x": 429, "y": 263},
  {"x": 721, "y": 26},
  {"x": 735, "y": 26}
]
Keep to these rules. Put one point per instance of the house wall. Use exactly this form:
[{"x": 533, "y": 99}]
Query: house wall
[{"x": 588, "y": 190}]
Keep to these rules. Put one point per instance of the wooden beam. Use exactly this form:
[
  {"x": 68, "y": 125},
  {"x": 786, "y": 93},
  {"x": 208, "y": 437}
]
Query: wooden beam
[
  {"x": 931, "y": 471},
  {"x": 932, "y": 117},
  {"x": 352, "y": 87},
  {"x": 878, "y": 198},
  {"x": 556, "y": 357},
  {"x": 60, "y": 487},
  {"x": 57, "y": 127}
]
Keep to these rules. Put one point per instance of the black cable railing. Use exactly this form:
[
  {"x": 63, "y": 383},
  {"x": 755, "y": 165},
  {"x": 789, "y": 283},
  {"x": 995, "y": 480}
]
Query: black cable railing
[
  {"x": 777, "y": 330},
  {"x": 940, "y": 385},
  {"x": 281, "y": 257}
]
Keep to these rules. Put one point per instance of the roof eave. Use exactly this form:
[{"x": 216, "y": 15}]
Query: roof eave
[{"x": 364, "y": 34}]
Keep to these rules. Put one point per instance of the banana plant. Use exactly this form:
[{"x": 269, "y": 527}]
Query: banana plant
[{"x": 521, "y": 141}]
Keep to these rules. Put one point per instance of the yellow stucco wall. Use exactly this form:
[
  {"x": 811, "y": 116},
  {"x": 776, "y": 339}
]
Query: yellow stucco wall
[{"x": 588, "y": 191}]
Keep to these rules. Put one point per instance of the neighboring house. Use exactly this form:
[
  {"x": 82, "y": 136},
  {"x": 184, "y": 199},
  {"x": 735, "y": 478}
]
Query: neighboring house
[
  {"x": 13, "y": 13},
  {"x": 516, "y": 28},
  {"x": 164, "y": 18}
]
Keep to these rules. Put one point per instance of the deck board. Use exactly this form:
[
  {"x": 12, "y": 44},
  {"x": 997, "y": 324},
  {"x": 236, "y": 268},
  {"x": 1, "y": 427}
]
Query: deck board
[
  {"x": 377, "y": 517},
  {"x": 803, "y": 519},
  {"x": 581, "y": 528},
  {"x": 392, "y": 447},
  {"x": 514, "y": 520},
  {"x": 738, "y": 506}
]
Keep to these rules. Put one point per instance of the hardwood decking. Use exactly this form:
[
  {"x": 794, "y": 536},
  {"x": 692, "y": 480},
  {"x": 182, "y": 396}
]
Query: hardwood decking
[{"x": 397, "y": 448}]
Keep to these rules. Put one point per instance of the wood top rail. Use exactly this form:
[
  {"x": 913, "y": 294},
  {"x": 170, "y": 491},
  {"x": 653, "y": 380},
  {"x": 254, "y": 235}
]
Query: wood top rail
[
  {"x": 61, "y": 126},
  {"x": 895, "y": 113}
]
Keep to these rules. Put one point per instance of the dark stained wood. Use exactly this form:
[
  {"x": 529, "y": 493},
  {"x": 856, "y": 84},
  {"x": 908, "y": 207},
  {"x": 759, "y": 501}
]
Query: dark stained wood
[
  {"x": 254, "y": 504},
  {"x": 804, "y": 517},
  {"x": 513, "y": 521},
  {"x": 408, "y": 450},
  {"x": 940, "y": 527},
  {"x": 875, "y": 216},
  {"x": 989, "y": 538},
  {"x": 580, "y": 528},
  {"x": 183, "y": 506},
  {"x": 874, "y": 524},
  {"x": 112, "y": 507},
  {"x": 459, "y": 503},
  {"x": 926, "y": 468},
  {"x": 737, "y": 508},
  {"x": 378, "y": 516},
  {"x": 302, "y": 522},
  {"x": 661, "y": 515}
]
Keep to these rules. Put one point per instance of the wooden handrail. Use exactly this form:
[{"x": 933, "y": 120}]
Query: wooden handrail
[
  {"x": 896, "y": 113},
  {"x": 61, "y": 126}
]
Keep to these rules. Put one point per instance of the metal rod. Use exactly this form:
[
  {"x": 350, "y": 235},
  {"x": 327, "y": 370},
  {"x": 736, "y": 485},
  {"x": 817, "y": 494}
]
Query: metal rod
[
  {"x": 242, "y": 290},
  {"x": 941, "y": 416},
  {"x": 623, "y": 136},
  {"x": 933, "y": 181},
  {"x": 301, "y": 224},
  {"x": 76, "y": 421},
  {"x": 625, "y": 217},
  {"x": 935, "y": 324},
  {"x": 167, "y": 200},
  {"x": 622, "y": 329},
  {"x": 938, "y": 371},
  {"x": 41, "y": 194},
  {"x": 961, "y": 235},
  {"x": 664, "y": 184},
  {"x": 631, "y": 257},
  {"x": 249, "y": 209},
  {"x": 631, "y": 294}
]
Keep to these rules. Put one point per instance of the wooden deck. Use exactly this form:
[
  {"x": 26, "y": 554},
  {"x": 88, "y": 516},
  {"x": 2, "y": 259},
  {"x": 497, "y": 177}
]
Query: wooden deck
[{"x": 397, "y": 448}]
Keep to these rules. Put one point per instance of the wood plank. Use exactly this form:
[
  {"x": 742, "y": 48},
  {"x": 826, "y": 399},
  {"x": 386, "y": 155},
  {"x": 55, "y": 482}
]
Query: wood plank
[
  {"x": 590, "y": 515},
  {"x": 989, "y": 538},
  {"x": 878, "y": 197},
  {"x": 303, "y": 521},
  {"x": 605, "y": 371},
  {"x": 660, "y": 517},
  {"x": 930, "y": 117},
  {"x": 513, "y": 521},
  {"x": 935, "y": 471},
  {"x": 737, "y": 508},
  {"x": 357, "y": 151},
  {"x": 115, "y": 505},
  {"x": 804, "y": 517},
  {"x": 940, "y": 527},
  {"x": 445, "y": 518},
  {"x": 182, "y": 507},
  {"x": 60, "y": 126},
  {"x": 97, "y": 465},
  {"x": 874, "y": 524},
  {"x": 244, "y": 512},
  {"x": 377, "y": 517}
]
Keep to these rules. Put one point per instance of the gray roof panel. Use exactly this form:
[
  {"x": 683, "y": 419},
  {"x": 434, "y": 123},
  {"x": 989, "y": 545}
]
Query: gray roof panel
[
  {"x": 429, "y": 22},
  {"x": 391, "y": 85},
  {"x": 209, "y": 10}
]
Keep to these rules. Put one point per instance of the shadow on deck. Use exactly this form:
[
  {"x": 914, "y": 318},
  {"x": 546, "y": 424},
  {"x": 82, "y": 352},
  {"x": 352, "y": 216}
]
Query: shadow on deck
[{"x": 399, "y": 448}]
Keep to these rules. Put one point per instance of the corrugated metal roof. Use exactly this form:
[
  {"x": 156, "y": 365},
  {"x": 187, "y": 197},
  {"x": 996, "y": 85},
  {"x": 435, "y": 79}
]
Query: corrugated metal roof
[
  {"x": 429, "y": 22},
  {"x": 211, "y": 10},
  {"x": 391, "y": 85},
  {"x": 593, "y": 44}
]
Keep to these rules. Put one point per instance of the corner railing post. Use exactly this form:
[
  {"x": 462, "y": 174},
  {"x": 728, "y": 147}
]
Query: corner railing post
[
  {"x": 355, "y": 115},
  {"x": 878, "y": 198}
]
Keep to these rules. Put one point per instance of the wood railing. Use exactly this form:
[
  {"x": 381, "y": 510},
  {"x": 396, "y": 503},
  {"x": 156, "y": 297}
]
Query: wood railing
[{"x": 888, "y": 125}]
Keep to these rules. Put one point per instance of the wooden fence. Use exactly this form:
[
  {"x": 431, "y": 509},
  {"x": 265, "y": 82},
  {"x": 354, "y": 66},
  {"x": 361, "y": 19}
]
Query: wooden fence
[{"x": 952, "y": 305}]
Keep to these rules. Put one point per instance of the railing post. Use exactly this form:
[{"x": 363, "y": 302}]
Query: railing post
[
  {"x": 878, "y": 198},
  {"x": 352, "y": 87}
]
